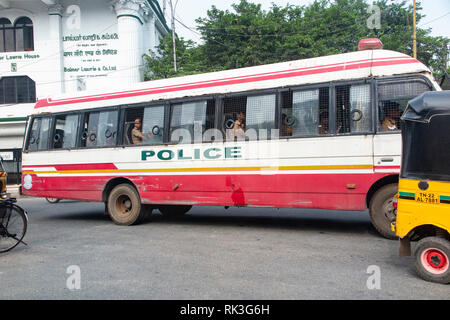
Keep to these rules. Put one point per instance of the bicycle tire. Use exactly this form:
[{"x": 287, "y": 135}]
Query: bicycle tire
[{"x": 13, "y": 226}]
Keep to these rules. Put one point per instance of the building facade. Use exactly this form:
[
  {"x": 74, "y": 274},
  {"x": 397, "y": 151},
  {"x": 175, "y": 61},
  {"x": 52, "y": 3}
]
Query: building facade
[{"x": 49, "y": 47}]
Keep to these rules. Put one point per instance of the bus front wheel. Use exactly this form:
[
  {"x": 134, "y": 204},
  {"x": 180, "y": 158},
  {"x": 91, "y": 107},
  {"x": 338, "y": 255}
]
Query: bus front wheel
[
  {"x": 124, "y": 205},
  {"x": 381, "y": 210}
]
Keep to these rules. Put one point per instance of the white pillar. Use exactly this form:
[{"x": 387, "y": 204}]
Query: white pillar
[
  {"x": 55, "y": 41},
  {"x": 131, "y": 16}
]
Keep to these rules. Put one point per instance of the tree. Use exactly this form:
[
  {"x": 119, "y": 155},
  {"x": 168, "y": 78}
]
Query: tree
[
  {"x": 159, "y": 65},
  {"x": 247, "y": 35},
  {"x": 396, "y": 34}
]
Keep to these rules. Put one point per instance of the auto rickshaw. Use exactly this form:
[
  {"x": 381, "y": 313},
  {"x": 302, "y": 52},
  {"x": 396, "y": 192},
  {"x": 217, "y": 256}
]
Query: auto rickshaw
[
  {"x": 13, "y": 219},
  {"x": 3, "y": 194},
  {"x": 423, "y": 205}
]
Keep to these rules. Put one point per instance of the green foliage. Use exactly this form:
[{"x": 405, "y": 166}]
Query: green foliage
[
  {"x": 445, "y": 80},
  {"x": 160, "y": 65},
  {"x": 248, "y": 36}
]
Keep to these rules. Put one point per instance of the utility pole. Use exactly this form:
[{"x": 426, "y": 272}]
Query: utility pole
[
  {"x": 414, "y": 32},
  {"x": 172, "y": 10}
]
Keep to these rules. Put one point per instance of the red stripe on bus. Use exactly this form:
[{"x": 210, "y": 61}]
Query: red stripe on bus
[
  {"x": 82, "y": 166},
  {"x": 311, "y": 190},
  {"x": 231, "y": 81},
  {"x": 248, "y": 76}
]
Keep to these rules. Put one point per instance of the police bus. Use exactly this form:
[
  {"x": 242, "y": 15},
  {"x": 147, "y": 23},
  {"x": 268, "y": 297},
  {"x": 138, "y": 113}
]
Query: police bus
[{"x": 313, "y": 133}]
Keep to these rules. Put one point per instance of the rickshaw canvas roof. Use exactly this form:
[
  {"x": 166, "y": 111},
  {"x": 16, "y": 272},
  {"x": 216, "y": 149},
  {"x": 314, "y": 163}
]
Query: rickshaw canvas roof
[{"x": 427, "y": 105}]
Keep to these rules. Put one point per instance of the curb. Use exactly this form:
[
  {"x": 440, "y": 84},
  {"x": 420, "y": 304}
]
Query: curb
[{"x": 14, "y": 192}]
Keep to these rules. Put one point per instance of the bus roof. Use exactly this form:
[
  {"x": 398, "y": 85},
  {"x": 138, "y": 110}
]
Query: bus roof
[{"x": 347, "y": 66}]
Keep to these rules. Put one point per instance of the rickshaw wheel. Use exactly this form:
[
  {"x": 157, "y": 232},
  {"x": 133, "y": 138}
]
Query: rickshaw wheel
[
  {"x": 432, "y": 259},
  {"x": 381, "y": 210}
]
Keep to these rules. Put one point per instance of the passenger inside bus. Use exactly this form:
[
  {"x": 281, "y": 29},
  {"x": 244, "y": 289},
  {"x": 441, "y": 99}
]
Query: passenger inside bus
[
  {"x": 342, "y": 109},
  {"x": 323, "y": 122},
  {"x": 239, "y": 123},
  {"x": 238, "y": 130},
  {"x": 136, "y": 133},
  {"x": 391, "y": 111}
]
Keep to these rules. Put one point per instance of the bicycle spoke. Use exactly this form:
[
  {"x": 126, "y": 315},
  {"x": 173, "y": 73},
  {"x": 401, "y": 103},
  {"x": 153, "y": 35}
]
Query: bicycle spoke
[{"x": 17, "y": 239}]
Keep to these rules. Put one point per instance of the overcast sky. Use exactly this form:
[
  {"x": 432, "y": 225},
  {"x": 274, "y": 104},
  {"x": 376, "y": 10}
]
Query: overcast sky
[{"x": 437, "y": 13}]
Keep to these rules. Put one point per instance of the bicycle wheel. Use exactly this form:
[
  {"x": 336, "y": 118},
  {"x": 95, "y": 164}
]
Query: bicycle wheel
[{"x": 13, "y": 226}]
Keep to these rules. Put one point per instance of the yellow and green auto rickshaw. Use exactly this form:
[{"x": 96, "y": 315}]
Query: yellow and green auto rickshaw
[
  {"x": 2, "y": 181},
  {"x": 423, "y": 206}
]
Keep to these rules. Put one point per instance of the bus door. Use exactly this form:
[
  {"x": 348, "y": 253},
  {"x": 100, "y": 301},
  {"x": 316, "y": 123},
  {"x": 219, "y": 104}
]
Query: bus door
[{"x": 392, "y": 98}]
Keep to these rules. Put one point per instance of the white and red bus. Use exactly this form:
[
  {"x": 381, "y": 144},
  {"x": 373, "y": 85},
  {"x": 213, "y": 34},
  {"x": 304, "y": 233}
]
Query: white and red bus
[{"x": 314, "y": 133}]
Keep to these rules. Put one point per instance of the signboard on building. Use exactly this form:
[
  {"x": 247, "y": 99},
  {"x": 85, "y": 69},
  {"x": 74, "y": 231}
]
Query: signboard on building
[
  {"x": 7, "y": 156},
  {"x": 90, "y": 43}
]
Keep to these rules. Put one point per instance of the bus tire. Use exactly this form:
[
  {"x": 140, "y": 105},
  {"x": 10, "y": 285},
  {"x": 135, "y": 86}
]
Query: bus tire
[
  {"x": 124, "y": 205},
  {"x": 52, "y": 200},
  {"x": 432, "y": 262},
  {"x": 172, "y": 211},
  {"x": 381, "y": 210}
]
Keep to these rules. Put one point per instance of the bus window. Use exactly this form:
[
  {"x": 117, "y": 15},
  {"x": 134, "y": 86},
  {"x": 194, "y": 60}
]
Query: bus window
[
  {"x": 353, "y": 111},
  {"x": 360, "y": 109},
  {"x": 132, "y": 130},
  {"x": 99, "y": 129},
  {"x": 65, "y": 134},
  {"x": 189, "y": 120},
  {"x": 393, "y": 98},
  {"x": 260, "y": 115},
  {"x": 305, "y": 109},
  {"x": 249, "y": 117},
  {"x": 153, "y": 125},
  {"x": 44, "y": 134},
  {"x": 234, "y": 112},
  {"x": 286, "y": 114},
  {"x": 39, "y": 135},
  {"x": 144, "y": 125},
  {"x": 305, "y": 112},
  {"x": 342, "y": 96}
]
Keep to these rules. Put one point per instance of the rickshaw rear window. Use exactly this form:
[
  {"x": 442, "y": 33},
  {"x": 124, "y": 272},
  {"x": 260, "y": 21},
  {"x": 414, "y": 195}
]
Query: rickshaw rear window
[{"x": 426, "y": 150}]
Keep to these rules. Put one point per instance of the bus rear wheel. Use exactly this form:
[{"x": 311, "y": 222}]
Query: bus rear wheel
[
  {"x": 173, "y": 211},
  {"x": 124, "y": 205},
  {"x": 382, "y": 211},
  {"x": 432, "y": 259}
]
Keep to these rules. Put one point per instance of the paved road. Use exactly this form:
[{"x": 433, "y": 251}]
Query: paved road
[{"x": 213, "y": 253}]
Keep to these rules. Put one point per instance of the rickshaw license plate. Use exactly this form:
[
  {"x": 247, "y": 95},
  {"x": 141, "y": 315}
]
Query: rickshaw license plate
[{"x": 427, "y": 197}]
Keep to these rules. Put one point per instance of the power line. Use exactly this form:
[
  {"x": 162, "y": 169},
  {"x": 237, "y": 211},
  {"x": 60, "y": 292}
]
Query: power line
[
  {"x": 436, "y": 19},
  {"x": 230, "y": 31}
]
